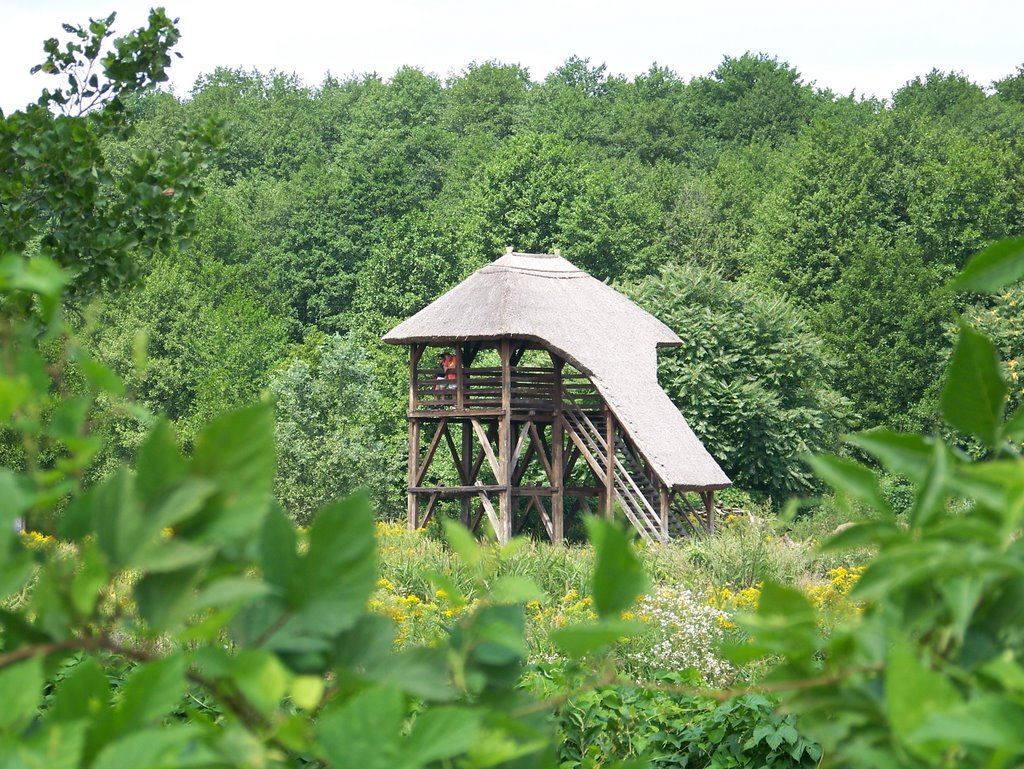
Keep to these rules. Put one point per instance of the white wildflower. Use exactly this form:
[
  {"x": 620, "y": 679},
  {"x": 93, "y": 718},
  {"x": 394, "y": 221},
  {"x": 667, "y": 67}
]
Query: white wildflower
[{"x": 685, "y": 631}]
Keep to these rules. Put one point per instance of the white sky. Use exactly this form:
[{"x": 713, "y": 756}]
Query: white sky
[{"x": 866, "y": 46}]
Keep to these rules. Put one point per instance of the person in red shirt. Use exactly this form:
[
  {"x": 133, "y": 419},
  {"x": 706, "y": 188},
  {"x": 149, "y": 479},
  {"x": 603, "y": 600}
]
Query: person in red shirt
[
  {"x": 450, "y": 365},
  {"x": 447, "y": 376}
]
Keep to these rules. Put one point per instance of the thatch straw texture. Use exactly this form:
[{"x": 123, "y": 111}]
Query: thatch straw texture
[{"x": 547, "y": 299}]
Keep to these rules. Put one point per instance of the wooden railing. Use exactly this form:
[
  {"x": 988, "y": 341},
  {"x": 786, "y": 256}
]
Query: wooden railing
[{"x": 532, "y": 388}]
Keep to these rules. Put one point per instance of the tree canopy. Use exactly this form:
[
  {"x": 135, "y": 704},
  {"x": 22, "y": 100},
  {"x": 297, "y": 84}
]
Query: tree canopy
[{"x": 343, "y": 207}]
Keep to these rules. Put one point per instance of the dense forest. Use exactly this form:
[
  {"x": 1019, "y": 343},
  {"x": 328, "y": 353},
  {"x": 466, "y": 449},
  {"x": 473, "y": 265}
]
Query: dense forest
[
  {"x": 192, "y": 293},
  {"x": 799, "y": 241}
]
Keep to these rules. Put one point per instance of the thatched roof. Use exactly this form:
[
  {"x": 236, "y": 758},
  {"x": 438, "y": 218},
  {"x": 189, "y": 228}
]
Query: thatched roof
[{"x": 547, "y": 299}]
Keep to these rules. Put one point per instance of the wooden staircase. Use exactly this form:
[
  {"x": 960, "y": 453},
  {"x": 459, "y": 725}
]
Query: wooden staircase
[{"x": 635, "y": 494}]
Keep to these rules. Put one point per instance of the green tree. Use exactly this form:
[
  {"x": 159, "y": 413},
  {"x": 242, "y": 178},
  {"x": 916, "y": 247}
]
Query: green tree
[
  {"x": 330, "y": 430},
  {"x": 940, "y": 95},
  {"x": 573, "y": 102},
  {"x": 486, "y": 99},
  {"x": 886, "y": 322},
  {"x": 181, "y": 623},
  {"x": 58, "y": 196},
  {"x": 1011, "y": 88},
  {"x": 272, "y": 132},
  {"x": 752, "y": 98},
  {"x": 190, "y": 343},
  {"x": 826, "y": 204},
  {"x": 750, "y": 377},
  {"x": 541, "y": 192},
  {"x": 1000, "y": 318},
  {"x": 63, "y": 204},
  {"x": 647, "y": 118},
  {"x": 420, "y": 257}
]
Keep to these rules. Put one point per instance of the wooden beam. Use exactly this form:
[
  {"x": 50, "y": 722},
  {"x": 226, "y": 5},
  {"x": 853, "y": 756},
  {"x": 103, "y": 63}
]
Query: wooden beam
[
  {"x": 542, "y": 453},
  {"x": 413, "y": 502},
  {"x": 485, "y": 444},
  {"x": 583, "y": 491},
  {"x": 491, "y": 515},
  {"x": 431, "y": 504},
  {"x": 531, "y": 502},
  {"x": 465, "y": 469},
  {"x": 709, "y": 509},
  {"x": 505, "y": 445},
  {"x": 595, "y": 466},
  {"x": 557, "y": 463},
  {"x": 447, "y": 412},
  {"x": 454, "y": 491},
  {"x": 663, "y": 499},
  {"x": 570, "y": 460},
  {"x": 517, "y": 354},
  {"x": 415, "y": 353},
  {"x": 457, "y": 458},
  {"x": 522, "y": 467},
  {"x": 460, "y": 381},
  {"x": 476, "y": 520},
  {"x": 609, "y": 482},
  {"x": 546, "y": 519},
  {"x": 524, "y": 433},
  {"x": 478, "y": 462},
  {"x": 469, "y": 351},
  {"x": 686, "y": 513},
  {"x": 442, "y": 427}
]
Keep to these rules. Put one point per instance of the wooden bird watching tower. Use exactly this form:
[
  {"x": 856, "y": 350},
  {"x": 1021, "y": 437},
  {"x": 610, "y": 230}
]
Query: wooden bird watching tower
[{"x": 549, "y": 407}]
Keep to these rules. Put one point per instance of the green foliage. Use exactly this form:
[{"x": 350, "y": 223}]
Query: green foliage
[
  {"x": 885, "y": 321},
  {"x": 330, "y": 440},
  {"x": 874, "y": 210},
  {"x": 190, "y": 342},
  {"x": 679, "y": 730},
  {"x": 750, "y": 98},
  {"x": 350, "y": 205},
  {"x": 750, "y": 377},
  {"x": 187, "y": 570},
  {"x": 58, "y": 195},
  {"x": 929, "y": 674},
  {"x": 1001, "y": 320},
  {"x": 541, "y": 192},
  {"x": 184, "y": 621}
]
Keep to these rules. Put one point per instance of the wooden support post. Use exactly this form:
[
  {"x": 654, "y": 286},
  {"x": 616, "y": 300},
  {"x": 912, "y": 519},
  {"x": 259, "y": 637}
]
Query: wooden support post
[
  {"x": 557, "y": 459},
  {"x": 609, "y": 481},
  {"x": 505, "y": 511},
  {"x": 465, "y": 468},
  {"x": 460, "y": 381},
  {"x": 413, "y": 501},
  {"x": 663, "y": 498},
  {"x": 709, "y": 510},
  {"x": 415, "y": 353},
  {"x": 431, "y": 506}
]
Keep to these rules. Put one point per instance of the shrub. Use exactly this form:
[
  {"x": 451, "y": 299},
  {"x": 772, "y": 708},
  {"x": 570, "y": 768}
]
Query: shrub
[
  {"x": 745, "y": 552},
  {"x": 683, "y": 632},
  {"x": 928, "y": 673},
  {"x": 666, "y": 729}
]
